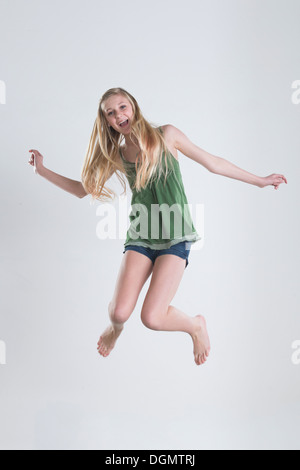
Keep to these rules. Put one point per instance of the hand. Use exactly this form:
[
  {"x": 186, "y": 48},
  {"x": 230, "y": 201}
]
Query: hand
[
  {"x": 36, "y": 160},
  {"x": 273, "y": 180}
]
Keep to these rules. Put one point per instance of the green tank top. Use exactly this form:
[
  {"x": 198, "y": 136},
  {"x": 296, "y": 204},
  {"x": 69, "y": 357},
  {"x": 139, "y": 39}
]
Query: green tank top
[{"x": 160, "y": 216}]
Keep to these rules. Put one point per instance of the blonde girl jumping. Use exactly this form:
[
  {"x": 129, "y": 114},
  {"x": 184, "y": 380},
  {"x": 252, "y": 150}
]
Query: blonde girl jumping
[{"x": 149, "y": 160}]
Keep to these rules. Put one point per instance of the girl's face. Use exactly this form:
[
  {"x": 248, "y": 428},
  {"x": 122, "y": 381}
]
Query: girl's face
[{"x": 118, "y": 112}]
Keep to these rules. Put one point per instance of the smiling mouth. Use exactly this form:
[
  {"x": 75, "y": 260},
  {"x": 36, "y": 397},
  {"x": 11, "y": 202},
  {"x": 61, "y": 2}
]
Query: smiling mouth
[{"x": 124, "y": 123}]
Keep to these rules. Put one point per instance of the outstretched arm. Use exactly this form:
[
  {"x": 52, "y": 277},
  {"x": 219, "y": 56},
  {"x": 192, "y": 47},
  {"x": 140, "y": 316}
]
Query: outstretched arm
[
  {"x": 225, "y": 168},
  {"x": 71, "y": 186},
  {"x": 218, "y": 165}
]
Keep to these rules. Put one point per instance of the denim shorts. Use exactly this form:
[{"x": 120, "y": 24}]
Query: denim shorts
[{"x": 181, "y": 249}]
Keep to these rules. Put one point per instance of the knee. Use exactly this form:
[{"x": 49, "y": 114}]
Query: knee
[
  {"x": 150, "y": 320},
  {"x": 118, "y": 313}
]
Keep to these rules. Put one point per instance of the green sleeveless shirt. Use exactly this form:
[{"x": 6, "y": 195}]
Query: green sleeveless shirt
[{"x": 160, "y": 216}]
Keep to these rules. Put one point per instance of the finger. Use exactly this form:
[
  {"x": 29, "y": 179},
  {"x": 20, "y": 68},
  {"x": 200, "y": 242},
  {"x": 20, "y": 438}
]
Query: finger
[{"x": 284, "y": 178}]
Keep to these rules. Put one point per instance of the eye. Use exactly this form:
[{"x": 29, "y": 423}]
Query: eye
[{"x": 123, "y": 106}]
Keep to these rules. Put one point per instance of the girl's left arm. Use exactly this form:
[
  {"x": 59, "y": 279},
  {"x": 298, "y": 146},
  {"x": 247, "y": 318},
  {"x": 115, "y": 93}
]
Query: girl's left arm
[
  {"x": 225, "y": 168},
  {"x": 218, "y": 165}
]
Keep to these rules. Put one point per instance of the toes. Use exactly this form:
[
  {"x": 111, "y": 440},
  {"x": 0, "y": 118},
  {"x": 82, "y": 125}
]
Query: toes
[
  {"x": 102, "y": 350},
  {"x": 197, "y": 360},
  {"x": 201, "y": 358}
]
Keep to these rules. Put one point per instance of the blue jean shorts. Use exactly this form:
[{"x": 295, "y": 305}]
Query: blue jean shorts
[{"x": 181, "y": 249}]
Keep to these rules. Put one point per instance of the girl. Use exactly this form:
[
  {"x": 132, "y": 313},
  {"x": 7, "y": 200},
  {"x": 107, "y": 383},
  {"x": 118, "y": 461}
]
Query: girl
[{"x": 147, "y": 155}]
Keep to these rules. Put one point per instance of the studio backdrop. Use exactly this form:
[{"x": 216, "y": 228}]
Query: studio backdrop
[{"x": 226, "y": 73}]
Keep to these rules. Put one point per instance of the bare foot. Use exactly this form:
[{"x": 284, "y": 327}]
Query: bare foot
[
  {"x": 201, "y": 340},
  {"x": 108, "y": 340}
]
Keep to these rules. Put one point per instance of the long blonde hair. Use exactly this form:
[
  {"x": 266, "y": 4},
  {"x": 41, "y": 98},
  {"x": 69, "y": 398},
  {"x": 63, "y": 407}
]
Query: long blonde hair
[{"x": 102, "y": 158}]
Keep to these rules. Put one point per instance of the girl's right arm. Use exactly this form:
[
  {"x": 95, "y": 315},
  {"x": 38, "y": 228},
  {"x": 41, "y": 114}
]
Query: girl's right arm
[{"x": 71, "y": 186}]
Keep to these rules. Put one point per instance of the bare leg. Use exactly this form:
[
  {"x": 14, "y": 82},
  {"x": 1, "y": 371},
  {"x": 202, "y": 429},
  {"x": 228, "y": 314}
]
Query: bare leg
[
  {"x": 176, "y": 320},
  {"x": 158, "y": 314},
  {"x": 134, "y": 272}
]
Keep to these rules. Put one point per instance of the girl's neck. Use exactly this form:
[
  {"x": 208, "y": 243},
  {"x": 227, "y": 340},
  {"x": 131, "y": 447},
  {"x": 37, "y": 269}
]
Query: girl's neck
[{"x": 131, "y": 143}]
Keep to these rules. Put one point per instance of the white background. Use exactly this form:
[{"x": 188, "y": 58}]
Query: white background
[{"x": 222, "y": 72}]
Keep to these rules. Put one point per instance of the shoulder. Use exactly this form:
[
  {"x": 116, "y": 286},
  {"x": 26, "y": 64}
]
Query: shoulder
[
  {"x": 170, "y": 136},
  {"x": 167, "y": 129},
  {"x": 170, "y": 133}
]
